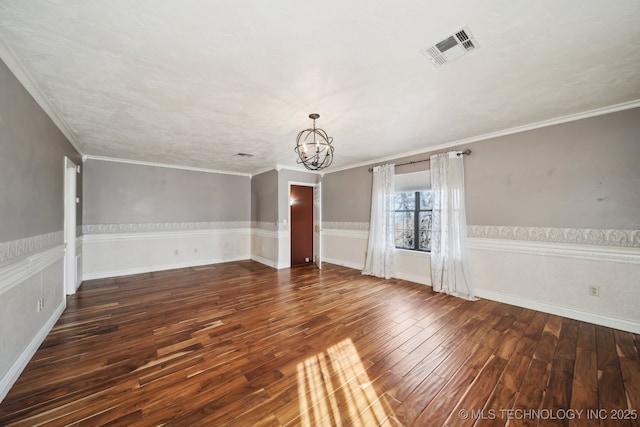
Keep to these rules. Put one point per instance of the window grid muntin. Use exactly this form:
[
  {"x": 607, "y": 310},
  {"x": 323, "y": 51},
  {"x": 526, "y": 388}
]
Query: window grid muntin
[{"x": 410, "y": 236}]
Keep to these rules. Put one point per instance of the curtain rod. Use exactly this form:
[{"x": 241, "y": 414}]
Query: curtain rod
[{"x": 466, "y": 152}]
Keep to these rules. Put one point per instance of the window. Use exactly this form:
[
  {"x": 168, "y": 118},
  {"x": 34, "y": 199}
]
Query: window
[{"x": 413, "y": 220}]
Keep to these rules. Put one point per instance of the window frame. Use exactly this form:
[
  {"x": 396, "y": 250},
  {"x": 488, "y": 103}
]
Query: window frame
[{"x": 416, "y": 222}]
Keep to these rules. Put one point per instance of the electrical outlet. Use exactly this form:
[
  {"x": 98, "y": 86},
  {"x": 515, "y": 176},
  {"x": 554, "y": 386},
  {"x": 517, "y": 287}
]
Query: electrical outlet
[{"x": 594, "y": 290}]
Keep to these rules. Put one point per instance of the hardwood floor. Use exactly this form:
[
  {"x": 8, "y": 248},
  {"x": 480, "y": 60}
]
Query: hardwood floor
[{"x": 243, "y": 344}]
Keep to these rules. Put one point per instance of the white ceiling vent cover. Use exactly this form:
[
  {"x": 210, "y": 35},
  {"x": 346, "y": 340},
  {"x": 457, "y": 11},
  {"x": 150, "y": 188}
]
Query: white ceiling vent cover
[{"x": 456, "y": 45}]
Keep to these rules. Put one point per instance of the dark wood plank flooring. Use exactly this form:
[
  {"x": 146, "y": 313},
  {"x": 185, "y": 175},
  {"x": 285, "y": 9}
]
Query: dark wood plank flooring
[{"x": 242, "y": 344}]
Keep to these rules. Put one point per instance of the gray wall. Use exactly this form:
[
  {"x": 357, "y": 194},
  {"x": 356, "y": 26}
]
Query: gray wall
[
  {"x": 264, "y": 197},
  {"x": 270, "y": 193},
  {"x": 582, "y": 174},
  {"x": 32, "y": 150},
  {"x": 121, "y": 193},
  {"x": 284, "y": 177},
  {"x": 346, "y": 195}
]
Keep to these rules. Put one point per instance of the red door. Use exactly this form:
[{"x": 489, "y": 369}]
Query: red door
[{"x": 301, "y": 201}]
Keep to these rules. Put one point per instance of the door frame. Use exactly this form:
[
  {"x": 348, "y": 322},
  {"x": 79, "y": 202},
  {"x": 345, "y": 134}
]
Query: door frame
[
  {"x": 317, "y": 225},
  {"x": 319, "y": 238},
  {"x": 70, "y": 194}
]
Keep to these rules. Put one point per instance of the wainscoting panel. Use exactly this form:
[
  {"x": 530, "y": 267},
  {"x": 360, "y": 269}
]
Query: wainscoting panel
[
  {"x": 31, "y": 301},
  {"x": 413, "y": 266},
  {"x": 555, "y": 278},
  {"x": 122, "y": 253},
  {"x": 545, "y": 269},
  {"x": 347, "y": 246},
  {"x": 265, "y": 246},
  {"x": 79, "y": 241},
  {"x": 284, "y": 249}
]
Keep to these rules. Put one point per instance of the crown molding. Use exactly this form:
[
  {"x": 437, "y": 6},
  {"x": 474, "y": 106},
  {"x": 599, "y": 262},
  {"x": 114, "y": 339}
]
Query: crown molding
[
  {"x": 20, "y": 72},
  {"x": 297, "y": 169},
  {"x": 160, "y": 165},
  {"x": 518, "y": 129},
  {"x": 278, "y": 167},
  {"x": 261, "y": 171}
]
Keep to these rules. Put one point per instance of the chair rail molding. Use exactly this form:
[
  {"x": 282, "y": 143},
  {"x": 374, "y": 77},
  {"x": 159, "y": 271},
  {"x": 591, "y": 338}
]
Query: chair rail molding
[{"x": 583, "y": 236}]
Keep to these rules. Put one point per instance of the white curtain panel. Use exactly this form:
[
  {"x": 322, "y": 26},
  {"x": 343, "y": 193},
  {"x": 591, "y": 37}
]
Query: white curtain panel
[
  {"x": 449, "y": 253},
  {"x": 381, "y": 247}
]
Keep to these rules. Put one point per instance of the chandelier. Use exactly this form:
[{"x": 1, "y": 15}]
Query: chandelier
[{"x": 314, "y": 147}]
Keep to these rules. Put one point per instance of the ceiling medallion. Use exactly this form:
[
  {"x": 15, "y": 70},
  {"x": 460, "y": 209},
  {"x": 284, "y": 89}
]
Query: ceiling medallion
[{"x": 314, "y": 147}]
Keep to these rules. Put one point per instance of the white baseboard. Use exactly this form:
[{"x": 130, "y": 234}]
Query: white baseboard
[
  {"x": 343, "y": 263},
  {"x": 416, "y": 278},
  {"x": 410, "y": 277},
  {"x": 598, "y": 319},
  {"x": 556, "y": 278},
  {"x": 150, "y": 269},
  {"x": 18, "y": 366},
  {"x": 270, "y": 263},
  {"x": 545, "y": 276},
  {"x": 264, "y": 261}
]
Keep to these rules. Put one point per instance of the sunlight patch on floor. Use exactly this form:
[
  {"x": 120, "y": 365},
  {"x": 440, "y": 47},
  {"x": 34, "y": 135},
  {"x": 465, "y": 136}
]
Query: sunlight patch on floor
[{"x": 334, "y": 389}]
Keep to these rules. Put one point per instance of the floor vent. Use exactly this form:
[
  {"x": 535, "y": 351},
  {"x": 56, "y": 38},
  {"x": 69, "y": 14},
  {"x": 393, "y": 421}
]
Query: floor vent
[{"x": 456, "y": 45}]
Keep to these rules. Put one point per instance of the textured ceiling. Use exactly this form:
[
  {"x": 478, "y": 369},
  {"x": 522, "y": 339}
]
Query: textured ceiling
[{"x": 192, "y": 83}]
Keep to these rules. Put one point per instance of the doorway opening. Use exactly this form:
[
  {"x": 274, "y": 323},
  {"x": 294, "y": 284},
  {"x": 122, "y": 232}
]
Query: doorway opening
[
  {"x": 305, "y": 217},
  {"x": 301, "y": 206}
]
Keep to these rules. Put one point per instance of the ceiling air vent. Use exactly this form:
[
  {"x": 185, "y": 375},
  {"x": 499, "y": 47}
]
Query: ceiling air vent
[{"x": 456, "y": 45}]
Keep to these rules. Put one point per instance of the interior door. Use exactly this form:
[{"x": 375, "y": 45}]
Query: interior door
[
  {"x": 301, "y": 224},
  {"x": 317, "y": 225}
]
